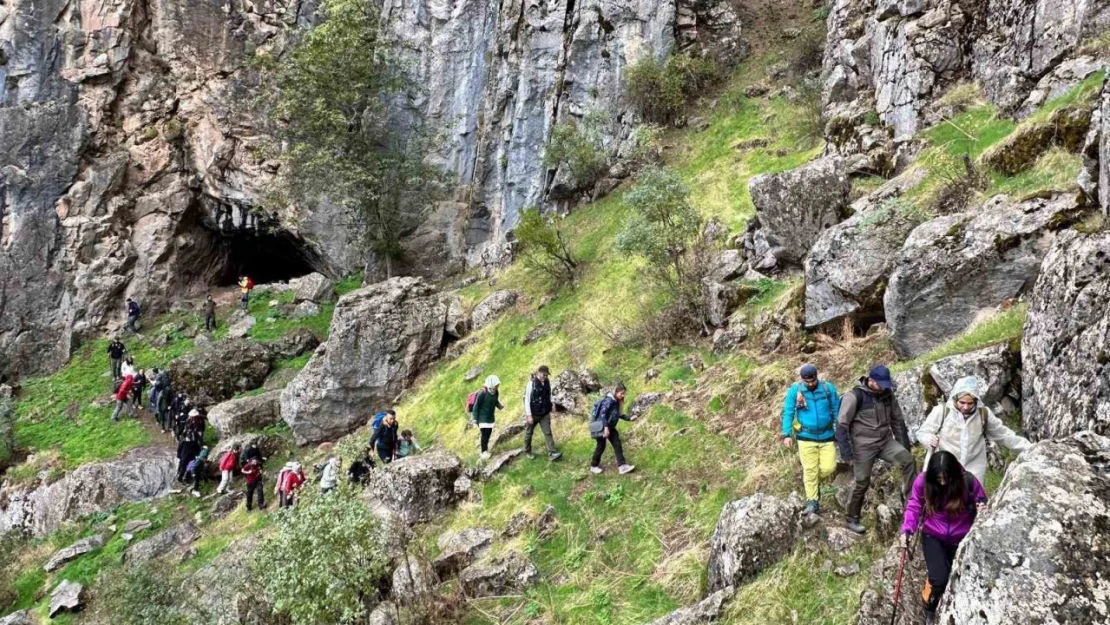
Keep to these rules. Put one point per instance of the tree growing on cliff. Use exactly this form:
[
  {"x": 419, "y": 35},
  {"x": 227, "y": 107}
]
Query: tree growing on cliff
[
  {"x": 339, "y": 139},
  {"x": 544, "y": 247}
]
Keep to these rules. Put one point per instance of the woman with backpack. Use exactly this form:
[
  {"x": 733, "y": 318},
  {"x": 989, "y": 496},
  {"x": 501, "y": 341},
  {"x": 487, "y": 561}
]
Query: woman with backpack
[
  {"x": 482, "y": 412},
  {"x": 603, "y": 427},
  {"x": 963, "y": 425},
  {"x": 943, "y": 504}
]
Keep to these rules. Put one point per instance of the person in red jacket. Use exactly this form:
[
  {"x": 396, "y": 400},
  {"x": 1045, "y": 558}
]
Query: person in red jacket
[
  {"x": 292, "y": 477},
  {"x": 252, "y": 473},
  {"x": 123, "y": 397},
  {"x": 228, "y": 463}
]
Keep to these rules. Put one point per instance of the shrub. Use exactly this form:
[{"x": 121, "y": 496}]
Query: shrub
[
  {"x": 141, "y": 595},
  {"x": 959, "y": 182},
  {"x": 544, "y": 248},
  {"x": 810, "y": 52},
  {"x": 325, "y": 559},
  {"x": 577, "y": 148},
  {"x": 659, "y": 90},
  {"x": 647, "y": 145}
]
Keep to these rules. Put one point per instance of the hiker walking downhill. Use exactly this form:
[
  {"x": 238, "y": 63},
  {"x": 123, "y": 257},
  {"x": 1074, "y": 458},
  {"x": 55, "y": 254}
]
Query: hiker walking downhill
[
  {"x": 943, "y": 504},
  {"x": 809, "y": 413},
  {"x": 963, "y": 425},
  {"x": 870, "y": 427},
  {"x": 187, "y": 450},
  {"x": 245, "y": 286},
  {"x": 483, "y": 412},
  {"x": 228, "y": 464},
  {"x": 197, "y": 470},
  {"x": 123, "y": 397},
  {"x": 537, "y": 412},
  {"x": 209, "y": 313},
  {"x": 603, "y": 427},
  {"x": 133, "y": 312},
  {"x": 137, "y": 387},
  {"x": 252, "y": 475},
  {"x": 330, "y": 478},
  {"x": 385, "y": 437},
  {"x": 289, "y": 481},
  {"x": 360, "y": 469},
  {"x": 115, "y": 357}
]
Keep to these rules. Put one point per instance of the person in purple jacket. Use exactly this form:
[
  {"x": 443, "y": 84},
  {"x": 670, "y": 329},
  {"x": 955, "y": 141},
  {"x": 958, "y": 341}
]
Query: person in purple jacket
[{"x": 943, "y": 504}]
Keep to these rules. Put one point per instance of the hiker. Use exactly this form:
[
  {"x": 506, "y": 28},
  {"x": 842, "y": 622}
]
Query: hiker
[
  {"x": 195, "y": 425},
  {"x": 869, "y": 427},
  {"x": 360, "y": 469},
  {"x": 228, "y": 464},
  {"x": 123, "y": 397},
  {"x": 384, "y": 439},
  {"x": 128, "y": 367},
  {"x": 197, "y": 470},
  {"x": 252, "y": 453},
  {"x": 291, "y": 479},
  {"x": 245, "y": 286},
  {"x": 963, "y": 425},
  {"x": 603, "y": 427},
  {"x": 115, "y": 356},
  {"x": 137, "y": 387},
  {"x": 407, "y": 445},
  {"x": 252, "y": 474},
  {"x": 809, "y": 413},
  {"x": 160, "y": 399},
  {"x": 537, "y": 412},
  {"x": 943, "y": 504},
  {"x": 133, "y": 312},
  {"x": 186, "y": 451},
  {"x": 209, "y": 314},
  {"x": 152, "y": 399},
  {"x": 330, "y": 479},
  {"x": 482, "y": 412},
  {"x": 180, "y": 415}
]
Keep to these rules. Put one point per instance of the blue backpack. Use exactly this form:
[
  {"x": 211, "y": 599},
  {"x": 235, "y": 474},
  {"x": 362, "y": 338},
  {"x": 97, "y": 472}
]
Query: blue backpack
[{"x": 378, "y": 418}]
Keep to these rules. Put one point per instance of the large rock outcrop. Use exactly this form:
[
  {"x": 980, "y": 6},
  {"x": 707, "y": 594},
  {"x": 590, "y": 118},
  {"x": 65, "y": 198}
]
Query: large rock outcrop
[
  {"x": 418, "y": 488},
  {"x": 141, "y": 474},
  {"x": 382, "y": 336},
  {"x": 751, "y": 534},
  {"x": 1066, "y": 374},
  {"x": 246, "y": 414},
  {"x": 219, "y": 371},
  {"x": 1041, "y": 552},
  {"x": 954, "y": 270}
]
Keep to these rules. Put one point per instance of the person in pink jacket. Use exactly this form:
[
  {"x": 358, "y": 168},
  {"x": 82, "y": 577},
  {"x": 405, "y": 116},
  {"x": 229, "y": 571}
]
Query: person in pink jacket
[{"x": 943, "y": 504}]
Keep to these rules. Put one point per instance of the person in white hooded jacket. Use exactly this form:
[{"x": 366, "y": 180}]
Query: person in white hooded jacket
[{"x": 963, "y": 425}]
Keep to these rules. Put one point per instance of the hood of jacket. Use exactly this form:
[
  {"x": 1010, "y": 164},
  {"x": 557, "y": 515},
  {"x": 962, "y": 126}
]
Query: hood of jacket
[{"x": 966, "y": 386}]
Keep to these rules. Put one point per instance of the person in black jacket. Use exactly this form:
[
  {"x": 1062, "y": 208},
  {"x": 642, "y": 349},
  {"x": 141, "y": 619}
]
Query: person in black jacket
[
  {"x": 608, "y": 411},
  {"x": 385, "y": 438},
  {"x": 137, "y": 387},
  {"x": 537, "y": 412},
  {"x": 186, "y": 451},
  {"x": 360, "y": 469},
  {"x": 116, "y": 351},
  {"x": 133, "y": 312}
]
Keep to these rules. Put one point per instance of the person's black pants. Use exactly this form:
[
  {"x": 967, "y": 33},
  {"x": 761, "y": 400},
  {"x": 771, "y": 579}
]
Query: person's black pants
[
  {"x": 210, "y": 322},
  {"x": 251, "y": 490},
  {"x": 385, "y": 454},
  {"x": 938, "y": 564},
  {"x": 485, "y": 434},
  {"x": 181, "y": 464},
  {"x": 614, "y": 440},
  {"x": 285, "y": 500}
]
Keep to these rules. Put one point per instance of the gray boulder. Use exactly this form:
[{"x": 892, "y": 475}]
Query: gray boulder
[
  {"x": 267, "y": 444},
  {"x": 240, "y": 324},
  {"x": 382, "y": 336},
  {"x": 489, "y": 309},
  {"x": 306, "y": 309},
  {"x": 67, "y": 597},
  {"x": 996, "y": 367},
  {"x": 413, "y": 579},
  {"x": 219, "y": 371},
  {"x": 1038, "y": 553},
  {"x": 385, "y": 613},
  {"x": 22, "y": 617},
  {"x": 507, "y": 432},
  {"x": 876, "y": 603},
  {"x": 495, "y": 464},
  {"x": 175, "y": 538},
  {"x": 955, "y": 269},
  {"x": 916, "y": 394},
  {"x": 312, "y": 288},
  {"x": 707, "y": 610},
  {"x": 643, "y": 402},
  {"x": 796, "y": 206},
  {"x": 299, "y": 341},
  {"x": 458, "y": 550},
  {"x": 510, "y": 572},
  {"x": 227, "y": 588},
  {"x": 418, "y": 488},
  {"x": 245, "y": 414},
  {"x": 1065, "y": 372},
  {"x": 569, "y": 390},
  {"x": 751, "y": 534},
  {"x": 72, "y": 552},
  {"x": 139, "y": 475}
]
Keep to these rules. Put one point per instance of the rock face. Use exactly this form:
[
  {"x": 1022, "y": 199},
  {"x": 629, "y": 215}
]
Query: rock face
[
  {"x": 1040, "y": 554},
  {"x": 227, "y": 588},
  {"x": 162, "y": 543},
  {"x": 382, "y": 336},
  {"x": 569, "y": 390},
  {"x": 489, "y": 309},
  {"x": 877, "y": 600},
  {"x": 507, "y": 573},
  {"x": 67, "y": 597},
  {"x": 752, "y": 533},
  {"x": 458, "y": 550},
  {"x": 245, "y": 414},
  {"x": 707, "y": 610},
  {"x": 141, "y": 474},
  {"x": 219, "y": 371},
  {"x": 1066, "y": 376},
  {"x": 794, "y": 207},
  {"x": 77, "y": 549},
  {"x": 417, "y": 488},
  {"x": 955, "y": 269},
  {"x": 413, "y": 579},
  {"x": 314, "y": 287},
  {"x": 996, "y": 367}
]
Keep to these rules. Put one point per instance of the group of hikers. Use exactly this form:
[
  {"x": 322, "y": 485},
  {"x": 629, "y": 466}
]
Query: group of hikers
[
  {"x": 133, "y": 311},
  {"x": 866, "y": 424}
]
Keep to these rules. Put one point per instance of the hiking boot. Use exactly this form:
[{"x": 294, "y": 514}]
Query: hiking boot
[
  {"x": 531, "y": 456},
  {"x": 855, "y": 526},
  {"x": 555, "y": 456},
  {"x": 485, "y": 455},
  {"x": 812, "y": 507},
  {"x": 930, "y": 617},
  {"x": 626, "y": 468},
  {"x": 595, "y": 470}
]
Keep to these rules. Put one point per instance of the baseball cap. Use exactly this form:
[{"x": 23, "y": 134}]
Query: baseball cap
[{"x": 881, "y": 376}]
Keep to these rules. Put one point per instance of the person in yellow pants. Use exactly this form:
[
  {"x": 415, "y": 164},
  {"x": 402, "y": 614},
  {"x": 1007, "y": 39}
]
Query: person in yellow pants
[{"x": 809, "y": 413}]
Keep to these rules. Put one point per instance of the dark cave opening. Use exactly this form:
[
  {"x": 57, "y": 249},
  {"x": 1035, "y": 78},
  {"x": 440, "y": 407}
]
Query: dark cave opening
[{"x": 266, "y": 255}]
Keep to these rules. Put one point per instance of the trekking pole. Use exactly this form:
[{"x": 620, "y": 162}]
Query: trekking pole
[{"x": 898, "y": 583}]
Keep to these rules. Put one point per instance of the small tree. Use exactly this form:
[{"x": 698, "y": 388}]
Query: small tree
[
  {"x": 666, "y": 231},
  {"x": 543, "y": 246},
  {"x": 324, "y": 561},
  {"x": 660, "y": 89},
  {"x": 577, "y": 147}
]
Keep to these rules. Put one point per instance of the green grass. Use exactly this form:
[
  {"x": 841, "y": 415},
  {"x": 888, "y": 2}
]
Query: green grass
[
  {"x": 970, "y": 132},
  {"x": 1083, "y": 93},
  {"x": 1055, "y": 170},
  {"x": 272, "y": 323},
  {"x": 1001, "y": 328}
]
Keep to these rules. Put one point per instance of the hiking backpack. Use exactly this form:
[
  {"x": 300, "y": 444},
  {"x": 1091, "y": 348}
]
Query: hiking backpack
[
  {"x": 250, "y": 283},
  {"x": 470, "y": 401},
  {"x": 597, "y": 424},
  {"x": 378, "y": 418}
]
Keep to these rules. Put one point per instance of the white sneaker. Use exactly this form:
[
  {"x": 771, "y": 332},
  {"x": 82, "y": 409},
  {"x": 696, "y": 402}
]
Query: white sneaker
[
  {"x": 595, "y": 470},
  {"x": 626, "y": 468},
  {"x": 485, "y": 455}
]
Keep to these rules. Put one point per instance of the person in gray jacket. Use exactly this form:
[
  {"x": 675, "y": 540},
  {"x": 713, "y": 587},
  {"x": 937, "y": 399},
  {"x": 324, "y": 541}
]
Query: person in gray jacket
[
  {"x": 870, "y": 427},
  {"x": 537, "y": 412}
]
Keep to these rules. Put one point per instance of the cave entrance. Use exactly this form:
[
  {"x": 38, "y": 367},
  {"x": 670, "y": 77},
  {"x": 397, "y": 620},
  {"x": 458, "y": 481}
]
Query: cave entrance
[{"x": 266, "y": 257}]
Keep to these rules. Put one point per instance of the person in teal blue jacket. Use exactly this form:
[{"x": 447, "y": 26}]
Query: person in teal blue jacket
[{"x": 809, "y": 413}]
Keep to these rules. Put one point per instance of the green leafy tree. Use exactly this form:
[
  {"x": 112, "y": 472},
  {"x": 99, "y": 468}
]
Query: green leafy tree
[
  {"x": 577, "y": 147},
  {"x": 543, "y": 246},
  {"x": 660, "y": 89},
  {"x": 323, "y": 562},
  {"x": 338, "y": 140}
]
